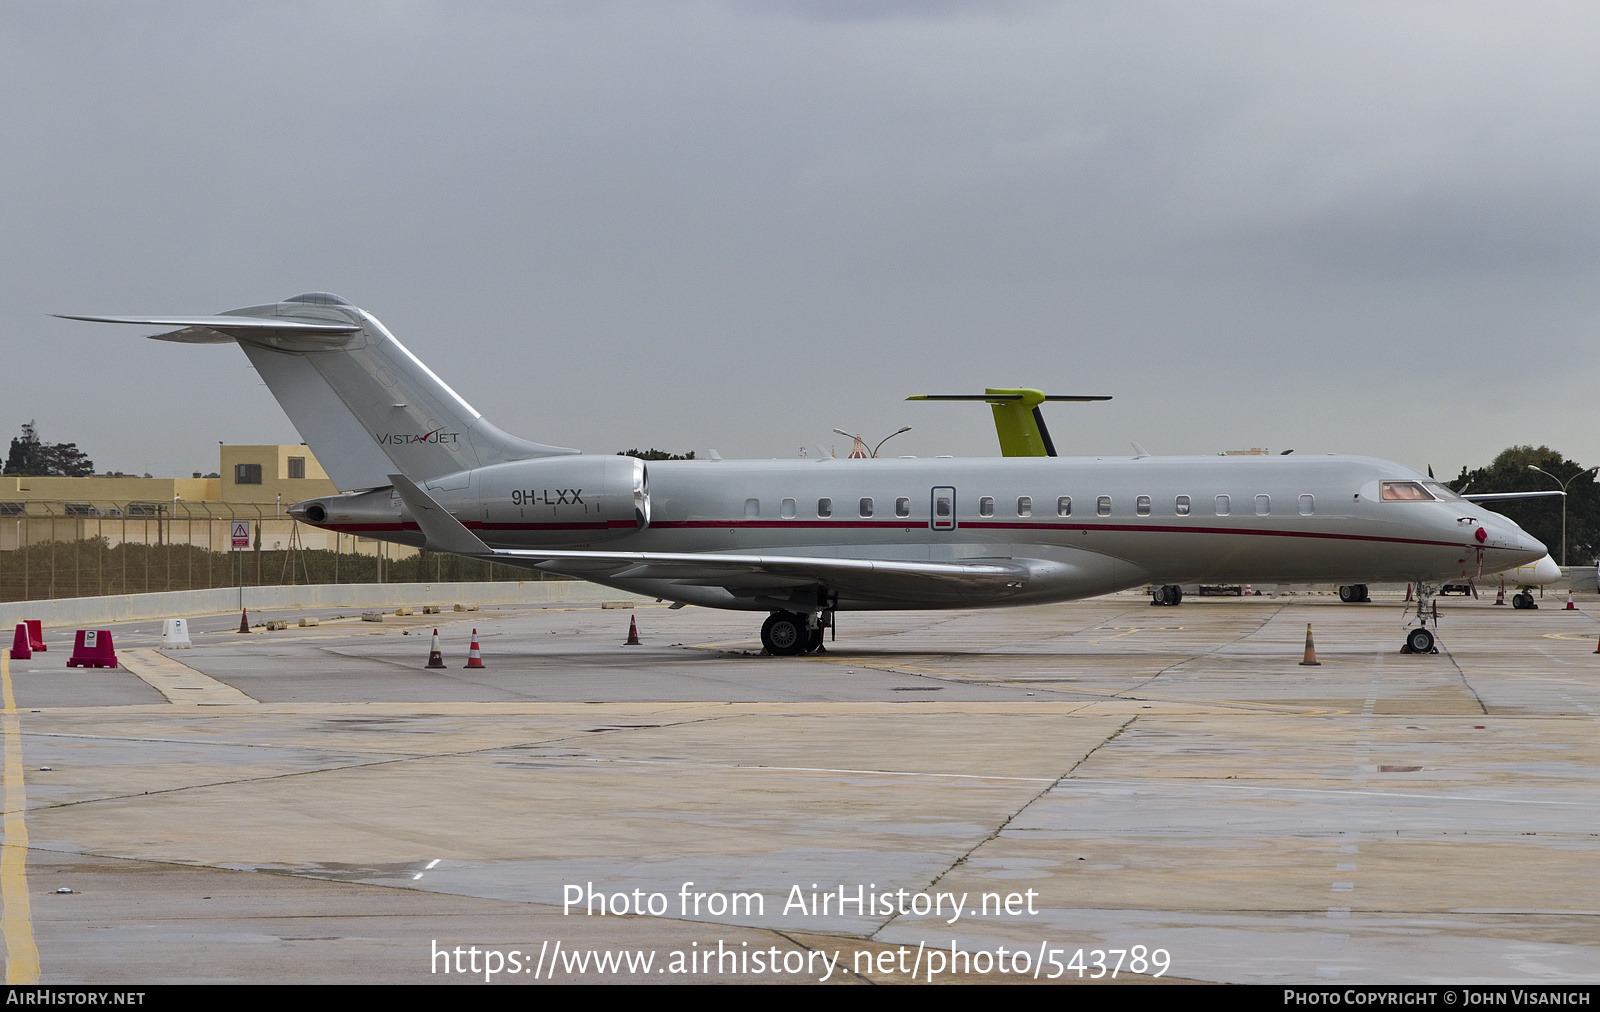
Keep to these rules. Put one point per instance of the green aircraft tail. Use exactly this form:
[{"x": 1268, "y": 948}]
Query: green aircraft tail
[{"x": 1017, "y": 419}]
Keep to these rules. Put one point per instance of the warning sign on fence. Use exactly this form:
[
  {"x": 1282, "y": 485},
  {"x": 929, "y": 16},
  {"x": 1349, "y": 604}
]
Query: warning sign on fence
[{"x": 241, "y": 534}]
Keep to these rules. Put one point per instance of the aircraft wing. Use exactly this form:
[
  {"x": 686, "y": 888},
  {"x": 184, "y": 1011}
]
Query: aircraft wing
[
  {"x": 1497, "y": 496},
  {"x": 868, "y": 577}
]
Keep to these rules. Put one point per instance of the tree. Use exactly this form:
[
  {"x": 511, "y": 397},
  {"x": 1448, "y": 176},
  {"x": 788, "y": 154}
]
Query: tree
[
  {"x": 654, "y": 454},
  {"x": 31, "y": 456},
  {"x": 1511, "y": 472}
]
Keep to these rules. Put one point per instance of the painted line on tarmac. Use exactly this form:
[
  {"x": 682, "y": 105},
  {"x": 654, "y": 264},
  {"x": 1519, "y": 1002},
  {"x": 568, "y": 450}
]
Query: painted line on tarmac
[
  {"x": 179, "y": 682},
  {"x": 16, "y": 922}
]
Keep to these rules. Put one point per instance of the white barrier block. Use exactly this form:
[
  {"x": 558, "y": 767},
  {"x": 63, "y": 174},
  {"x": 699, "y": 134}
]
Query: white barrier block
[{"x": 175, "y": 634}]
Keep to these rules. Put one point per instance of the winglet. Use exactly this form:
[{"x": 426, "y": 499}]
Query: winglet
[{"x": 444, "y": 533}]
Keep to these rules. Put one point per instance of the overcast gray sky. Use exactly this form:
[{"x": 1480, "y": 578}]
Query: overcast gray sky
[{"x": 1357, "y": 227}]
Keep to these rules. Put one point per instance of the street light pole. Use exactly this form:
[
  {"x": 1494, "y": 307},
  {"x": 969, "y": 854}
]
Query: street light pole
[
  {"x": 885, "y": 439},
  {"x": 1563, "y": 484},
  {"x": 890, "y": 436}
]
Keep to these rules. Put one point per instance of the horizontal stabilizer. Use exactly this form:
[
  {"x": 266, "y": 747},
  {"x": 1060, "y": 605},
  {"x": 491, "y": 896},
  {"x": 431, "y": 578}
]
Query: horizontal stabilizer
[
  {"x": 227, "y": 323},
  {"x": 275, "y": 331},
  {"x": 991, "y": 398}
]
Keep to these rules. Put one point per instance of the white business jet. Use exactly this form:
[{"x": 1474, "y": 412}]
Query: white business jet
[{"x": 804, "y": 539}]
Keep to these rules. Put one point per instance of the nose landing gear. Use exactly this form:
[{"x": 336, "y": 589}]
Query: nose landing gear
[{"x": 1421, "y": 640}]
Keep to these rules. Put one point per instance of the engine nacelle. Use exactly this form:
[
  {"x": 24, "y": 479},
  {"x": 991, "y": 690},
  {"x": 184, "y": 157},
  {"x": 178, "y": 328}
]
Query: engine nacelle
[
  {"x": 562, "y": 500},
  {"x": 574, "y": 500}
]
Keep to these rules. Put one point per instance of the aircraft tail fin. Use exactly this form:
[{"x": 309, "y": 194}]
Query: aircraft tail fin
[
  {"x": 1017, "y": 419},
  {"x": 362, "y": 401}
]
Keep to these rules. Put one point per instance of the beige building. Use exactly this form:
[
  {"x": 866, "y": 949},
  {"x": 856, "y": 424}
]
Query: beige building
[{"x": 254, "y": 483}]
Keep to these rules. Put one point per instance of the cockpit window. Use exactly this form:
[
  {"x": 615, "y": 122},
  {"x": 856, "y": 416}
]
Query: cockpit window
[
  {"x": 1442, "y": 491},
  {"x": 1404, "y": 491}
]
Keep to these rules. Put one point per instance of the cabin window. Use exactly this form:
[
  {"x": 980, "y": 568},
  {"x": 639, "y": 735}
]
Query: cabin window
[
  {"x": 1308, "y": 505},
  {"x": 941, "y": 507},
  {"x": 1180, "y": 506},
  {"x": 824, "y": 508},
  {"x": 1223, "y": 505},
  {"x": 986, "y": 506},
  {"x": 752, "y": 508},
  {"x": 786, "y": 509},
  {"x": 1141, "y": 505},
  {"x": 1263, "y": 505},
  {"x": 1102, "y": 505},
  {"x": 1025, "y": 506},
  {"x": 1064, "y": 506},
  {"x": 902, "y": 507},
  {"x": 866, "y": 506}
]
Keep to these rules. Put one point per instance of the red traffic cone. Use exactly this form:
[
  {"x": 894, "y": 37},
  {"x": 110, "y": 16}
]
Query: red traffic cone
[
  {"x": 35, "y": 634},
  {"x": 1597, "y": 648},
  {"x": 474, "y": 655},
  {"x": 244, "y": 620},
  {"x": 1500, "y": 595},
  {"x": 633, "y": 633},
  {"x": 1311, "y": 651},
  {"x": 1570, "y": 605},
  {"x": 21, "y": 649},
  {"x": 435, "y": 655}
]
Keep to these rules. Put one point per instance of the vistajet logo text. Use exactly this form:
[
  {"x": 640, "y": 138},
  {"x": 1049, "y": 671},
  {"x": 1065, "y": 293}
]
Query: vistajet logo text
[{"x": 403, "y": 438}]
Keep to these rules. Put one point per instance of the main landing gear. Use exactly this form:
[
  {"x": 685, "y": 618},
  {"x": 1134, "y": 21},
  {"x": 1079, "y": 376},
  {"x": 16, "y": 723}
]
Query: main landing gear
[
  {"x": 1355, "y": 593},
  {"x": 786, "y": 634},
  {"x": 1421, "y": 640},
  {"x": 1166, "y": 594}
]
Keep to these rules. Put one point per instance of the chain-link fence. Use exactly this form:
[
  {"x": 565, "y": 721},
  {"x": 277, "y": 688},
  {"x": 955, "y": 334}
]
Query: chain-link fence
[{"x": 52, "y": 549}]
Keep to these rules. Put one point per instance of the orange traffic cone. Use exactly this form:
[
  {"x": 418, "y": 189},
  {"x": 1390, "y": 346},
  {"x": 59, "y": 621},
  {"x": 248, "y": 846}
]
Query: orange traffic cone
[
  {"x": 244, "y": 620},
  {"x": 1570, "y": 605},
  {"x": 633, "y": 633},
  {"x": 1311, "y": 651},
  {"x": 474, "y": 655},
  {"x": 1597, "y": 648},
  {"x": 435, "y": 655},
  {"x": 1500, "y": 595}
]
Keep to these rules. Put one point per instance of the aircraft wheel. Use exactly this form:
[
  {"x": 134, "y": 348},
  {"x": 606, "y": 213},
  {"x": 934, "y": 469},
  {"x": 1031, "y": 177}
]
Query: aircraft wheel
[
  {"x": 1348, "y": 595},
  {"x": 1362, "y": 593},
  {"x": 1419, "y": 641},
  {"x": 1177, "y": 594},
  {"x": 784, "y": 634}
]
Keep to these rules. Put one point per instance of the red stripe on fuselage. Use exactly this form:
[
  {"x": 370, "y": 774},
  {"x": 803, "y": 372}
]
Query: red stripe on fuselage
[{"x": 891, "y": 524}]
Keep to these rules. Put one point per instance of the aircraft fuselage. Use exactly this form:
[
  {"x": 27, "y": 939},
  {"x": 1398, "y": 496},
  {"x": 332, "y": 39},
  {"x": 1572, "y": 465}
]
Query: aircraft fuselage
[{"x": 1085, "y": 525}]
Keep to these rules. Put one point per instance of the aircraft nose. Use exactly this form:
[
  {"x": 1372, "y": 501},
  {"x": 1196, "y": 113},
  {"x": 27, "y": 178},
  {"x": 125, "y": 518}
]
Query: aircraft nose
[
  {"x": 1496, "y": 531},
  {"x": 1525, "y": 544}
]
